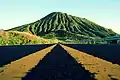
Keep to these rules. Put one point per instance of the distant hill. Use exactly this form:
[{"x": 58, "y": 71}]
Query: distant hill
[
  {"x": 65, "y": 27},
  {"x": 21, "y": 38}
]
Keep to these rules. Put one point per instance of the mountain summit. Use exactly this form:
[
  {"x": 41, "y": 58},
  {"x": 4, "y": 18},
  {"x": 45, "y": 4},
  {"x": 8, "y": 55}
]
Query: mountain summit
[{"x": 64, "y": 26}]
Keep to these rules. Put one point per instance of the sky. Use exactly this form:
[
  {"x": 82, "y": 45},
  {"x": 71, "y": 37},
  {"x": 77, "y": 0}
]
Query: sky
[{"x": 14, "y": 13}]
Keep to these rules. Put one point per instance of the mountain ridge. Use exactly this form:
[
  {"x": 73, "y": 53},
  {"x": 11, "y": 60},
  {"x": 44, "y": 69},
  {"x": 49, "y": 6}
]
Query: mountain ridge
[{"x": 56, "y": 22}]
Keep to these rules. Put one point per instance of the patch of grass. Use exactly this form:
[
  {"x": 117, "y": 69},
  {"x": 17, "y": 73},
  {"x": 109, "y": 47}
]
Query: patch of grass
[{"x": 20, "y": 38}]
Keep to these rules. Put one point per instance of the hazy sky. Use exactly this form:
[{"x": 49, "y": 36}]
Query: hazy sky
[{"x": 18, "y": 12}]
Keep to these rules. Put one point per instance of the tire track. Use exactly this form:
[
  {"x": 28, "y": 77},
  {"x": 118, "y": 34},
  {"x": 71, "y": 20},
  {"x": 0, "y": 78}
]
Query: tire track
[
  {"x": 17, "y": 69},
  {"x": 109, "y": 52},
  {"x": 58, "y": 65},
  {"x": 15, "y": 52},
  {"x": 101, "y": 69}
]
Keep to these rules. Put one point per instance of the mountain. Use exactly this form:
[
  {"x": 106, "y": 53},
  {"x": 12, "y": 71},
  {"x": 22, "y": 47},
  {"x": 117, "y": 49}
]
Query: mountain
[
  {"x": 21, "y": 38},
  {"x": 66, "y": 28}
]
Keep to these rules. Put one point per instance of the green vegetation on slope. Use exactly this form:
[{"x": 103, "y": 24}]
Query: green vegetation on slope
[
  {"x": 62, "y": 21},
  {"x": 21, "y": 38},
  {"x": 67, "y": 29}
]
